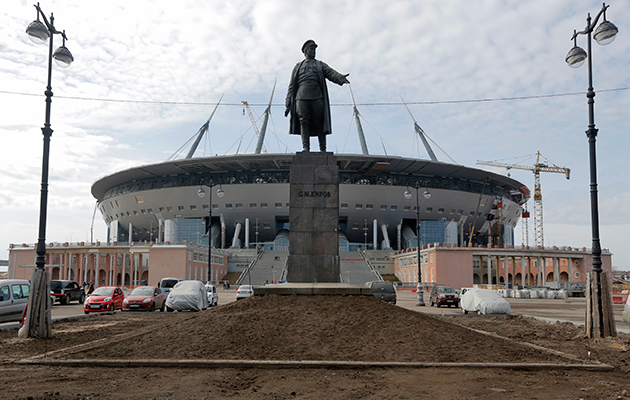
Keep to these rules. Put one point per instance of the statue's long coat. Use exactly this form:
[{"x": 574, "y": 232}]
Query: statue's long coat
[{"x": 324, "y": 72}]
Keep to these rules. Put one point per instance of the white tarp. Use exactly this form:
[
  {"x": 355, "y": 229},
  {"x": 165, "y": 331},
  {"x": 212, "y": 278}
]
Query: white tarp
[
  {"x": 485, "y": 301},
  {"x": 188, "y": 295}
]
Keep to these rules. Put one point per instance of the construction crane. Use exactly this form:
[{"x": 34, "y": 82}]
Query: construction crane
[
  {"x": 537, "y": 168},
  {"x": 251, "y": 117}
]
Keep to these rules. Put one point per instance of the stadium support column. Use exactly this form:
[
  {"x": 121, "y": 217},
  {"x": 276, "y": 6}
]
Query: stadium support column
[
  {"x": 237, "y": 233},
  {"x": 386, "y": 242},
  {"x": 130, "y": 233},
  {"x": 375, "y": 234},
  {"x": 247, "y": 233}
]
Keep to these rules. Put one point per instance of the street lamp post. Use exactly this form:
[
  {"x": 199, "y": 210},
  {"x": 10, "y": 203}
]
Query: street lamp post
[
  {"x": 201, "y": 193},
  {"x": 426, "y": 194},
  {"x": 37, "y": 321},
  {"x": 604, "y": 35}
]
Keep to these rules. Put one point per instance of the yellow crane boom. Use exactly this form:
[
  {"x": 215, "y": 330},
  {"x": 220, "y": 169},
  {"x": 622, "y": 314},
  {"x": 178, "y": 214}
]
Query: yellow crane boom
[{"x": 537, "y": 168}]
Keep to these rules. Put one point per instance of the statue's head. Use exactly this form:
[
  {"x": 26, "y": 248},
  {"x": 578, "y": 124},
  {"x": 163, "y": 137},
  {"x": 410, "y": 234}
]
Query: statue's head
[{"x": 308, "y": 48}]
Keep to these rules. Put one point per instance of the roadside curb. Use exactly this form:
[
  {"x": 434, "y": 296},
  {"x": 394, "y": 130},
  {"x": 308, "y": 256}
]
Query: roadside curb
[{"x": 283, "y": 364}]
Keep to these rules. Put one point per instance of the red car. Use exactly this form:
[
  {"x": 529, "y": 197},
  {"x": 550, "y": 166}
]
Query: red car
[
  {"x": 144, "y": 298},
  {"x": 104, "y": 298}
]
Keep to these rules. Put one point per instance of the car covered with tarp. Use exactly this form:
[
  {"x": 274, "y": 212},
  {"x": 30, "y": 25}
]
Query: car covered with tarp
[
  {"x": 187, "y": 295},
  {"x": 484, "y": 301}
]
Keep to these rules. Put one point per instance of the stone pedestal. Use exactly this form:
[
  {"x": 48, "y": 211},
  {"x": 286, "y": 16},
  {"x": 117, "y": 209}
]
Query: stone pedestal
[{"x": 314, "y": 218}]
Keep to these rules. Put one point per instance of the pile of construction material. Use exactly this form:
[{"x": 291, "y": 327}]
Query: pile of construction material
[{"x": 534, "y": 293}]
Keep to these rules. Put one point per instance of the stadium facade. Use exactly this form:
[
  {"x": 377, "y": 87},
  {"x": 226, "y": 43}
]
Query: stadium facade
[{"x": 160, "y": 202}]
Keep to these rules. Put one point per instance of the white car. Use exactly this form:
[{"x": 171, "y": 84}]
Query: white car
[
  {"x": 626, "y": 310},
  {"x": 484, "y": 301},
  {"x": 213, "y": 295},
  {"x": 187, "y": 295},
  {"x": 244, "y": 291}
]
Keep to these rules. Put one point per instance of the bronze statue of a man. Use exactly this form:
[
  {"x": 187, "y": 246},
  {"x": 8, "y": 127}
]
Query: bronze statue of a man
[{"x": 307, "y": 97}]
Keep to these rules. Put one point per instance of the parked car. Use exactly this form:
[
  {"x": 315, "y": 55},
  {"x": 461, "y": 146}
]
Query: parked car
[
  {"x": 187, "y": 295},
  {"x": 626, "y": 310},
  {"x": 65, "y": 291},
  {"x": 144, "y": 298},
  {"x": 166, "y": 284},
  {"x": 244, "y": 291},
  {"x": 104, "y": 298},
  {"x": 213, "y": 295},
  {"x": 384, "y": 291},
  {"x": 443, "y": 295},
  {"x": 484, "y": 301},
  {"x": 13, "y": 299}
]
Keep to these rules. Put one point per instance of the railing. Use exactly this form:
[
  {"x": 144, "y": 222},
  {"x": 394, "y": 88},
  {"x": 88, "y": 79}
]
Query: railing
[
  {"x": 374, "y": 271},
  {"x": 285, "y": 270},
  {"x": 239, "y": 281}
]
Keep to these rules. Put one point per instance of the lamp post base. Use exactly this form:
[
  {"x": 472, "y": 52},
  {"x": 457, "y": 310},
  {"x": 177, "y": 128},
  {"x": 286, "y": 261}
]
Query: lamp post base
[{"x": 420, "y": 294}]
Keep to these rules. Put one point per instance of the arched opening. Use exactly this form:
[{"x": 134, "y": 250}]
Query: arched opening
[
  {"x": 102, "y": 276},
  {"x": 144, "y": 278},
  {"x": 54, "y": 274},
  {"x": 118, "y": 279},
  {"x": 564, "y": 277},
  {"x": 550, "y": 277},
  {"x": 127, "y": 279},
  {"x": 476, "y": 279}
]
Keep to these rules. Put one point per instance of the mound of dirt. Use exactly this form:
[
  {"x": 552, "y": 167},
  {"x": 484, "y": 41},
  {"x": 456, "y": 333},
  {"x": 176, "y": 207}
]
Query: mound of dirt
[{"x": 350, "y": 328}]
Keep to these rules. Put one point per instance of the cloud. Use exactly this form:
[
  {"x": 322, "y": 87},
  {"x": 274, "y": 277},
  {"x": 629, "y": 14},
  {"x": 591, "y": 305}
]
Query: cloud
[{"x": 190, "y": 51}]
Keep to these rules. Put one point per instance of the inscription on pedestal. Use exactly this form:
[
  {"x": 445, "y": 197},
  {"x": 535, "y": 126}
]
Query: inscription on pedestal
[{"x": 314, "y": 219}]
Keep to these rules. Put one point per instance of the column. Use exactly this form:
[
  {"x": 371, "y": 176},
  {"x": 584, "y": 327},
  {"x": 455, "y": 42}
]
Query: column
[
  {"x": 506, "y": 267},
  {"x": 110, "y": 275},
  {"x": 124, "y": 267},
  {"x": 95, "y": 274},
  {"x": 570, "y": 269},
  {"x": 541, "y": 272},
  {"x": 497, "y": 271},
  {"x": 556, "y": 271},
  {"x": 137, "y": 261},
  {"x": 529, "y": 271},
  {"x": 69, "y": 266},
  {"x": 489, "y": 269},
  {"x": 375, "y": 235}
]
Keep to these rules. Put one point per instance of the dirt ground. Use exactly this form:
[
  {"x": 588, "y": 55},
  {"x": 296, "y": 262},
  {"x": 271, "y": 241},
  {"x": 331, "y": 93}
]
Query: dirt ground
[{"x": 329, "y": 328}]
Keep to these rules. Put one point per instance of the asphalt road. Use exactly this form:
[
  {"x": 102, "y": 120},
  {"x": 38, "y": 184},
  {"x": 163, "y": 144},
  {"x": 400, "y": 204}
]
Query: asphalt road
[{"x": 572, "y": 310}]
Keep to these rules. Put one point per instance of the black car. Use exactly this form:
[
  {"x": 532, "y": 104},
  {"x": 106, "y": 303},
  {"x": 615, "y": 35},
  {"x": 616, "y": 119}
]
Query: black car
[
  {"x": 384, "y": 291},
  {"x": 66, "y": 291}
]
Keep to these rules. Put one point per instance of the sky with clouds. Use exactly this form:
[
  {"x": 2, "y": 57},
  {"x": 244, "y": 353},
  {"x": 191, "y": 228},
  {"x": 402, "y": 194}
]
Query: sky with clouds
[{"x": 486, "y": 80}]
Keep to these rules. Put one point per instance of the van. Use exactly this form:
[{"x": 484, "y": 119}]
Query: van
[
  {"x": 13, "y": 299},
  {"x": 166, "y": 284}
]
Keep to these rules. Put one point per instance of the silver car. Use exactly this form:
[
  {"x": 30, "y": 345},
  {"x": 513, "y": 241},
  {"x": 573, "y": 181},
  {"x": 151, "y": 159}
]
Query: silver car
[{"x": 13, "y": 299}]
